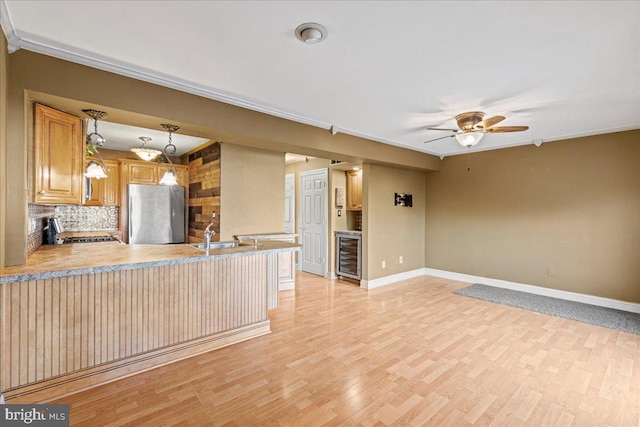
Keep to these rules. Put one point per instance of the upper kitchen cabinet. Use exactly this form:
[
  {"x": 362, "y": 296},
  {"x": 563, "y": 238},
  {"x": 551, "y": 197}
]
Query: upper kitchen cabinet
[
  {"x": 59, "y": 157},
  {"x": 140, "y": 172},
  {"x": 106, "y": 191},
  {"x": 354, "y": 190}
]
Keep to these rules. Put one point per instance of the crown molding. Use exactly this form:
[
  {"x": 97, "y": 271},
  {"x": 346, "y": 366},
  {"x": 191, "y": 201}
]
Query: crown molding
[
  {"x": 13, "y": 41},
  {"x": 47, "y": 47}
]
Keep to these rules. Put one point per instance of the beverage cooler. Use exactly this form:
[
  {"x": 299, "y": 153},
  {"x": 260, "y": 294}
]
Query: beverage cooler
[{"x": 348, "y": 254}]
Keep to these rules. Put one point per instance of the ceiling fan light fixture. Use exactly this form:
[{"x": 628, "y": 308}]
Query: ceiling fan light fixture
[
  {"x": 311, "y": 33},
  {"x": 469, "y": 139}
]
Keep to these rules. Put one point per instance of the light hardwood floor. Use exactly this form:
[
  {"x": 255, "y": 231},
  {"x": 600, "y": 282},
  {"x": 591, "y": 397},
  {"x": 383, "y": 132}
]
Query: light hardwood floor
[{"x": 411, "y": 353}]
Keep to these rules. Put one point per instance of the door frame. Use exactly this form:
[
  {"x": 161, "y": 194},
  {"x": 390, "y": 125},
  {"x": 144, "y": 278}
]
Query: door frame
[
  {"x": 325, "y": 231},
  {"x": 292, "y": 208}
]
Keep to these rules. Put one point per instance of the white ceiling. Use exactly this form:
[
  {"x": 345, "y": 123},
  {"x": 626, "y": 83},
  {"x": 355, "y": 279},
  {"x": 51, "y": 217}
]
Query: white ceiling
[
  {"x": 386, "y": 71},
  {"x": 123, "y": 137}
]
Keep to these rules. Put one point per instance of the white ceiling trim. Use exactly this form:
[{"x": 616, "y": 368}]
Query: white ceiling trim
[
  {"x": 13, "y": 41},
  {"x": 21, "y": 40}
]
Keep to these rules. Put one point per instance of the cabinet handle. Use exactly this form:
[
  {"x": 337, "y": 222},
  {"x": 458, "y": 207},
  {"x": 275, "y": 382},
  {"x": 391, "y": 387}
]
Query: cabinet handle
[{"x": 42, "y": 193}]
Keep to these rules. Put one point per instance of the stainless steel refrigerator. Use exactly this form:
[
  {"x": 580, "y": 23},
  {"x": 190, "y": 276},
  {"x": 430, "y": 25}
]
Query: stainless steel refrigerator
[{"x": 156, "y": 214}]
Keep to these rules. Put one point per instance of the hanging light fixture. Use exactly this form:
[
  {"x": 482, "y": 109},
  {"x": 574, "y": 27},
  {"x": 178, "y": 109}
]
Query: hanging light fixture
[
  {"x": 469, "y": 139},
  {"x": 95, "y": 140},
  {"x": 146, "y": 154},
  {"x": 170, "y": 177}
]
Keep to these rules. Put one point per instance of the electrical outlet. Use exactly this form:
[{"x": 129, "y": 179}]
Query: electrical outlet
[
  {"x": 384, "y": 264},
  {"x": 401, "y": 259},
  {"x": 551, "y": 271}
]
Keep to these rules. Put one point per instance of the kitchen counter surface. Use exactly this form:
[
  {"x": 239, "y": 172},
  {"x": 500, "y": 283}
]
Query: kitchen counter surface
[
  {"x": 100, "y": 233},
  {"x": 51, "y": 261},
  {"x": 278, "y": 235},
  {"x": 349, "y": 232}
]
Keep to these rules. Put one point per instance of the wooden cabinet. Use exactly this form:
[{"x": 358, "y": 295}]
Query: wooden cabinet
[
  {"x": 106, "y": 191},
  {"x": 59, "y": 157},
  {"x": 354, "y": 190},
  {"x": 142, "y": 173}
]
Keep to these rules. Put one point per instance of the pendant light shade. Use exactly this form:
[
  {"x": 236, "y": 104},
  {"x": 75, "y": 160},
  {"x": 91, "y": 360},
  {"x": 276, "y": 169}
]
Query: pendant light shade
[
  {"x": 469, "y": 139},
  {"x": 95, "y": 140},
  {"x": 146, "y": 154},
  {"x": 94, "y": 170},
  {"x": 170, "y": 177}
]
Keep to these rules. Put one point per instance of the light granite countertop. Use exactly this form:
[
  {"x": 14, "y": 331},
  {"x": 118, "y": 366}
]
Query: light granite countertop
[
  {"x": 259, "y": 236},
  {"x": 349, "y": 232},
  {"x": 51, "y": 261}
]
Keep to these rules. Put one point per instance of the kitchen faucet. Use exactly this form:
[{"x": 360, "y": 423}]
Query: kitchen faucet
[{"x": 208, "y": 232}]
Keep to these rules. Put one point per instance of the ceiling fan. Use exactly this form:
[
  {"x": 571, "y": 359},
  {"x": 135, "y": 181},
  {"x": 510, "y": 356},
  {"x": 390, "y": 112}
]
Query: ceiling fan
[{"x": 472, "y": 127}]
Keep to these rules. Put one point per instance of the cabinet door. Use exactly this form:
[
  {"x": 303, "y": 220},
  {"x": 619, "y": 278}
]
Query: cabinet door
[
  {"x": 106, "y": 191},
  {"x": 94, "y": 192},
  {"x": 111, "y": 190},
  {"x": 144, "y": 173},
  {"x": 354, "y": 190},
  {"x": 59, "y": 157}
]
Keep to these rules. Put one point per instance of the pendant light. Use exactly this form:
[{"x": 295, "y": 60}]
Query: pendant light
[
  {"x": 146, "y": 154},
  {"x": 95, "y": 140},
  {"x": 170, "y": 177}
]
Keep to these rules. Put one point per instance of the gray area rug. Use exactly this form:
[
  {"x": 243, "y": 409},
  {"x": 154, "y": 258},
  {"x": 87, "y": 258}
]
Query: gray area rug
[{"x": 587, "y": 313}]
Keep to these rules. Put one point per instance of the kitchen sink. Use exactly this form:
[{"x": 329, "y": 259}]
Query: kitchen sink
[{"x": 216, "y": 245}]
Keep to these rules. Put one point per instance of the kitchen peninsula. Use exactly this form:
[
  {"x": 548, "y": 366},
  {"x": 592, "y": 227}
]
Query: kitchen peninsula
[{"x": 78, "y": 315}]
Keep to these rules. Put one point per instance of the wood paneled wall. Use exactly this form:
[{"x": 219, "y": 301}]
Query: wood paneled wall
[
  {"x": 61, "y": 326},
  {"x": 204, "y": 190}
]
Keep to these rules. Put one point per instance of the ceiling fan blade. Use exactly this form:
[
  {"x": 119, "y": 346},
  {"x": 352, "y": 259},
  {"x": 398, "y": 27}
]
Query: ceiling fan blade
[
  {"x": 448, "y": 130},
  {"x": 437, "y": 139},
  {"x": 491, "y": 121},
  {"x": 501, "y": 129}
]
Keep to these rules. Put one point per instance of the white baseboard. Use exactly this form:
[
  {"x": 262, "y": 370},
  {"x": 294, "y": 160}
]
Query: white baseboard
[
  {"x": 537, "y": 290},
  {"x": 387, "y": 280}
]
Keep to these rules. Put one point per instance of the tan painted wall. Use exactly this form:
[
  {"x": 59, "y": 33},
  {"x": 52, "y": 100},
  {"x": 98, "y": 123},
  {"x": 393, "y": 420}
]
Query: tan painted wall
[
  {"x": 251, "y": 191},
  {"x": 572, "y": 206},
  {"x": 71, "y": 87},
  {"x": 337, "y": 179},
  {"x": 4, "y": 57},
  {"x": 391, "y": 231}
]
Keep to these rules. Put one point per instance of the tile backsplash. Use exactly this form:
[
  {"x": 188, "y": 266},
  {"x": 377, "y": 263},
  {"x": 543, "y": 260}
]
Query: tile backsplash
[
  {"x": 87, "y": 218},
  {"x": 38, "y": 216}
]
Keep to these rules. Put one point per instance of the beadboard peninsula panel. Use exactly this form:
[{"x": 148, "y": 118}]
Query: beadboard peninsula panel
[{"x": 64, "y": 329}]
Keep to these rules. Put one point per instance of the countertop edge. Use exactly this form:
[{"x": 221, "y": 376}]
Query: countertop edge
[{"x": 24, "y": 277}]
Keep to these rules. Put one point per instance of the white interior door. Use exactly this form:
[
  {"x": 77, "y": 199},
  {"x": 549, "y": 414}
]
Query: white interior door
[
  {"x": 289, "y": 202},
  {"x": 313, "y": 222}
]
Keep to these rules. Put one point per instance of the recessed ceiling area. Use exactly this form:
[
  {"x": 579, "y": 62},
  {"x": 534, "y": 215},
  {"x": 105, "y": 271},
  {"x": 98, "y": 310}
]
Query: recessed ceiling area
[
  {"x": 386, "y": 72},
  {"x": 124, "y": 137}
]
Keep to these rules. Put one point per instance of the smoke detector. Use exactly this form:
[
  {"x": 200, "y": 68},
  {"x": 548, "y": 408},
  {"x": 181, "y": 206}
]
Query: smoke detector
[{"x": 311, "y": 33}]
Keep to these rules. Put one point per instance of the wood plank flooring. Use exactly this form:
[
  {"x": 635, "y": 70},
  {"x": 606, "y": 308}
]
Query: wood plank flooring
[{"x": 411, "y": 354}]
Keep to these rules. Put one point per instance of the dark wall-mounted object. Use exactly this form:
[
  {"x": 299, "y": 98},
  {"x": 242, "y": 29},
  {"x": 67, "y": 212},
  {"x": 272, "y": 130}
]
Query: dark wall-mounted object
[{"x": 403, "y": 200}]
